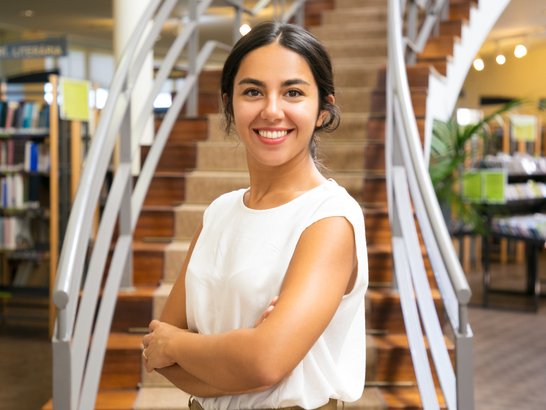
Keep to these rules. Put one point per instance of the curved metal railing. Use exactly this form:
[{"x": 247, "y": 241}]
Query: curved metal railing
[
  {"x": 78, "y": 357},
  {"x": 410, "y": 189}
]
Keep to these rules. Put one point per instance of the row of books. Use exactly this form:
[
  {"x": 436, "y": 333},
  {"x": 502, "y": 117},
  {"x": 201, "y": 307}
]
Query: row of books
[
  {"x": 31, "y": 274},
  {"x": 20, "y": 192},
  {"x": 15, "y": 233},
  {"x": 24, "y": 114},
  {"x": 530, "y": 226},
  {"x": 517, "y": 164},
  {"x": 29, "y": 156},
  {"x": 527, "y": 190}
]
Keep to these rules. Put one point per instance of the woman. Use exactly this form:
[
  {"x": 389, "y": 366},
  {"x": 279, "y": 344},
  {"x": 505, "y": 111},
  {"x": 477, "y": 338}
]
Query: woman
[{"x": 268, "y": 311}]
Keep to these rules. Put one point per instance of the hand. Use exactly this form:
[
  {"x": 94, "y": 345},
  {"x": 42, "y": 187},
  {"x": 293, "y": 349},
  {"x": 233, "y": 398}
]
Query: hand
[
  {"x": 267, "y": 312},
  {"x": 155, "y": 345}
]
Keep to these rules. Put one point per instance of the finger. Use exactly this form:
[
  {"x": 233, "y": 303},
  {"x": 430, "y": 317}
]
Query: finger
[{"x": 153, "y": 325}]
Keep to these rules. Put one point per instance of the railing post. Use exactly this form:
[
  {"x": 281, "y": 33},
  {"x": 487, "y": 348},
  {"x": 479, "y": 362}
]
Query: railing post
[
  {"x": 411, "y": 30},
  {"x": 237, "y": 21},
  {"x": 125, "y": 211},
  {"x": 193, "y": 45},
  {"x": 464, "y": 361}
]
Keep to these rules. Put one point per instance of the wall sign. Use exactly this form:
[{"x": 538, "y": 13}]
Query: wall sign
[{"x": 54, "y": 47}]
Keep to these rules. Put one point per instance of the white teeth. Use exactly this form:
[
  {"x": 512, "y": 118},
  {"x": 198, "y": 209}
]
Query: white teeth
[{"x": 272, "y": 134}]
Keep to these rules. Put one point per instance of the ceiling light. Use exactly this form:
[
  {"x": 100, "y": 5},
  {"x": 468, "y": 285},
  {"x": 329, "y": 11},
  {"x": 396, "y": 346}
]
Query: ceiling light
[
  {"x": 478, "y": 64},
  {"x": 520, "y": 51},
  {"x": 244, "y": 29},
  {"x": 27, "y": 13},
  {"x": 500, "y": 59}
]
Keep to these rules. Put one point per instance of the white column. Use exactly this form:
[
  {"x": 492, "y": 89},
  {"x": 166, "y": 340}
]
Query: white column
[{"x": 126, "y": 14}]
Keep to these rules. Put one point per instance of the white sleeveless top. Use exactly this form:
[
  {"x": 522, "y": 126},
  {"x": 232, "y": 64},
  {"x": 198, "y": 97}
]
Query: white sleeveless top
[{"x": 237, "y": 267}]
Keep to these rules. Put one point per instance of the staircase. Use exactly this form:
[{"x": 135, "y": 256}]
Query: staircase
[{"x": 200, "y": 163}]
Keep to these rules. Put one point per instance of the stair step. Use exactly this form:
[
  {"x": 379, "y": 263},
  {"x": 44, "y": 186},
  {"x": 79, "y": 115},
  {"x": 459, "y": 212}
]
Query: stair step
[
  {"x": 186, "y": 129},
  {"x": 355, "y": 75},
  {"x": 440, "y": 64},
  {"x": 221, "y": 156},
  {"x": 418, "y": 99},
  {"x": 375, "y": 127},
  {"x": 356, "y": 47},
  {"x": 122, "y": 362},
  {"x": 166, "y": 189},
  {"x": 355, "y": 15},
  {"x": 438, "y": 47},
  {"x": 406, "y": 398},
  {"x": 389, "y": 359},
  {"x": 175, "y": 254},
  {"x": 133, "y": 309},
  {"x": 203, "y": 186},
  {"x": 341, "y": 4},
  {"x": 374, "y": 190},
  {"x": 161, "y": 398},
  {"x": 175, "y": 157},
  {"x": 380, "y": 264},
  {"x": 418, "y": 75},
  {"x": 451, "y": 27},
  {"x": 372, "y": 30},
  {"x": 354, "y": 99},
  {"x": 148, "y": 263},
  {"x": 383, "y": 311},
  {"x": 121, "y": 399},
  {"x": 155, "y": 223},
  {"x": 188, "y": 217}
]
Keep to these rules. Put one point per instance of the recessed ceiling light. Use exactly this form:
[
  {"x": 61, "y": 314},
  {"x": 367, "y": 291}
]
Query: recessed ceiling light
[{"x": 27, "y": 13}]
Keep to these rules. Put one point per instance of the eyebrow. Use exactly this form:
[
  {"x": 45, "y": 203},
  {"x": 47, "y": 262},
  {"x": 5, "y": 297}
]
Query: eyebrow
[{"x": 287, "y": 83}]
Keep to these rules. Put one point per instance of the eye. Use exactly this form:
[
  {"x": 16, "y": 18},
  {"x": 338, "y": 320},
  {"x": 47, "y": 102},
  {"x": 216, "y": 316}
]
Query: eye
[
  {"x": 251, "y": 92},
  {"x": 294, "y": 93}
]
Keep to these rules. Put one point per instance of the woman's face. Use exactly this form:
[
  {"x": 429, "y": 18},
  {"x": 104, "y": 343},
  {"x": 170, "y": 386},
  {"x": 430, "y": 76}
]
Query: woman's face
[{"x": 275, "y": 106}]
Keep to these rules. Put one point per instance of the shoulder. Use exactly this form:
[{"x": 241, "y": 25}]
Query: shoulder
[{"x": 334, "y": 200}]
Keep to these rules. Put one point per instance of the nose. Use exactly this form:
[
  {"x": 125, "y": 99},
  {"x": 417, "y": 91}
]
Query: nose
[{"x": 272, "y": 110}]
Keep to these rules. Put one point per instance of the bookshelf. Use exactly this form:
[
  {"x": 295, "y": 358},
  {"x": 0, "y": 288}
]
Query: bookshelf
[
  {"x": 522, "y": 218},
  {"x": 29, "y": 239}
]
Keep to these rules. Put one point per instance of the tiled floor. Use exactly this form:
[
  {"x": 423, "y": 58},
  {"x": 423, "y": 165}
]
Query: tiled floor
[{"x": 509, "y": 350}]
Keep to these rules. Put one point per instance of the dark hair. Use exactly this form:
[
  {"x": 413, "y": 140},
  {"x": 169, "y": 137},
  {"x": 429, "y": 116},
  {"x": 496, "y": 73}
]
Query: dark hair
[{"x": 294, "y": 38}]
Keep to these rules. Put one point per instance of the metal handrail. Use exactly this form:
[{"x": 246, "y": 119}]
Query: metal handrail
[
  {"x": 404, "y": 152},
  {"x": 77, "y": 358}
]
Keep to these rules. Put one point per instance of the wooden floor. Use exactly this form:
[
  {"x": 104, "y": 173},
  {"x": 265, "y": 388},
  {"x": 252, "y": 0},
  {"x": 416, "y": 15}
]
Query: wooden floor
[{"x": 509, "y": 349}]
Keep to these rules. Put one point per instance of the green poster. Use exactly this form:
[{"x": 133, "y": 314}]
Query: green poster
[
  {"x": 494, "y": 183},
  {"x": 75, "y": 99},
  {"x": 472, "y": 186}
]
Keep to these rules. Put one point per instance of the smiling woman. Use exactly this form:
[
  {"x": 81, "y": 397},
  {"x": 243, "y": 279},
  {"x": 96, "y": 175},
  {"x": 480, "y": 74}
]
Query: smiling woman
[{"x": 268, "y": 311}]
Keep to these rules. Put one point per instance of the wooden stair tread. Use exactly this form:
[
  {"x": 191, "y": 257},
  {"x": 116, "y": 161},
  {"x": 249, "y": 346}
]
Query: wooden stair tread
[
  {"x": 124, "y": 341},
  {"x": 143, "y": 246},
  {"x": 122, "y": 399},
  {"x": 137, "y": 293},
  {"x": 406, "y": 398}
]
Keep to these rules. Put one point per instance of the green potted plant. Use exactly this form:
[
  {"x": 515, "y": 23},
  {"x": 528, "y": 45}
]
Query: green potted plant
[{"x": 447, "y": 159}]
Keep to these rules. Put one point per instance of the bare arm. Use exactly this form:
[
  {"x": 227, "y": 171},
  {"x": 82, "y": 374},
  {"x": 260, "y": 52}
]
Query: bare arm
[{"x": 320, "y": 273}]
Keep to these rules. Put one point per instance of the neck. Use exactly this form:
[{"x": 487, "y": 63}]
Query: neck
[{"x": 274, "y": 186}]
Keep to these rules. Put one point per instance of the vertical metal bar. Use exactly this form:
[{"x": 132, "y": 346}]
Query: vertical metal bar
[
  {"x": 465, "y": 368},
  {"x": 64, "y": 396},
  {"x": 300, "y": 15},
  {"x": 411, "y": 32},
  {"x": 193, "y": 45},
  {"x": 125, "y": 208},
  {"x": 237, "y": 22}
]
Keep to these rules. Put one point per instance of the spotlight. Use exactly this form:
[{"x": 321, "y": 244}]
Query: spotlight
[
  {"x": 500, "y": 59},
  {"x": 244, "y": 29},
  {"x": 478, "y": 64},
  {"x": 520, "y": 51}
]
